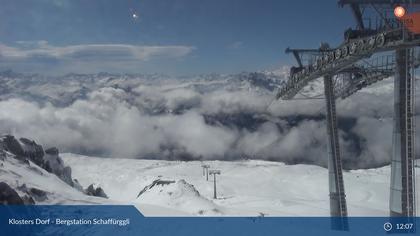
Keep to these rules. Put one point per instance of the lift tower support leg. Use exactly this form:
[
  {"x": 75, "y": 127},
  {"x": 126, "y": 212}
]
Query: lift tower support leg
[
  {"x": 338, "y": 206},
  {"x": 402, "y": 193},
  {"x": 214, "y": 187}
]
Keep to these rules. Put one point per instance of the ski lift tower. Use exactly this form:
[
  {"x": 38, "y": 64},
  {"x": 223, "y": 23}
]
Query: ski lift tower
[
  {"x": 214, "y": 173},
  {"x": 206, "y": 171},
  {"x": 388, "y": 35},
  {"x": 392, "y": 17}
]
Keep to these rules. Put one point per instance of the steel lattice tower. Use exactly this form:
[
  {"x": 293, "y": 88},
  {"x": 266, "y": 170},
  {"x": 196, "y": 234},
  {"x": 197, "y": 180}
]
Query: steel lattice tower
[
  {"x": 349, "y": 60},
  {"x": 402, "y": 195}
]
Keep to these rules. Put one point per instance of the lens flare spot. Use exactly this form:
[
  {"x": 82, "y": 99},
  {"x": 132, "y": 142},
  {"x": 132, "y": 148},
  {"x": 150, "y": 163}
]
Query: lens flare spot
[{"x": 399, "y": 11}]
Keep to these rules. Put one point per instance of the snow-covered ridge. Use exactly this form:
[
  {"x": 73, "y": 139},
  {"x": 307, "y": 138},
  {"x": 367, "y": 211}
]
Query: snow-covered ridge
[
  {"x": 30, "y": 175},
  {"x": 178, "y": 188},
  {"x": 63, "y": 90}
]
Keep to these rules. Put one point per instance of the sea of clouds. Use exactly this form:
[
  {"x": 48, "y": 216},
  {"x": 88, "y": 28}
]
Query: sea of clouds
[{"x": 221, "y": 117}]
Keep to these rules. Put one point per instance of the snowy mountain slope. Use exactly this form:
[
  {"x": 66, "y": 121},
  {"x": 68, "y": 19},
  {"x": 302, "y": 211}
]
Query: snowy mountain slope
[
  {"x": 176, "y": 188},
  {"x": 36, "y": 185},
  {"x": 245, "y": 188},
  {"x": 15, "y": 174}
]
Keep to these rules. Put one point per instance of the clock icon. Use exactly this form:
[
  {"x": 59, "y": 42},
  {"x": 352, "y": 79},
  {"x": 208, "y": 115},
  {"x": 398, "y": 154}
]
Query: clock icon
[{"x": 387, "y": 226}]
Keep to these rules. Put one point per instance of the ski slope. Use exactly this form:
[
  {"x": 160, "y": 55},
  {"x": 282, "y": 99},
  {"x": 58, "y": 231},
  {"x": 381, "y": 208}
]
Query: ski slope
[{"x": 245, "y": 188}]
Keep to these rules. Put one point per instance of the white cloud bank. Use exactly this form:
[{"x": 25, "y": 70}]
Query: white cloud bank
[
  {"x": 41, "y": 56},
  {"x": 177, "y": 120},
  {"x": 91, "y": 51}
]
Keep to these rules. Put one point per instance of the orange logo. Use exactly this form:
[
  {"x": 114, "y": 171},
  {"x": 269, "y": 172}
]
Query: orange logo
[{"x": 411, "y": 22}]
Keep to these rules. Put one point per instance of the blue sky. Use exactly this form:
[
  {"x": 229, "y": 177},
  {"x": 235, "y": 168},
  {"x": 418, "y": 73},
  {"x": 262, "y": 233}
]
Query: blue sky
[{"x": 169, "y": 36}]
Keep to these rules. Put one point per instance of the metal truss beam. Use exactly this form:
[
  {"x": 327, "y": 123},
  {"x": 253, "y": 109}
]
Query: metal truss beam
[
  {"x": 297, "y": 53},
  {"x": 402, "y": 195},
  {"x": 355, "y": 9},
  {"x": 338, "y": 206},
  {"x": 332, "y": 63},
  {"x": 359, "y": 77}
]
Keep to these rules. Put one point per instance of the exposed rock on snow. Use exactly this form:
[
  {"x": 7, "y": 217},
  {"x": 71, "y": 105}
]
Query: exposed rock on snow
[
  {"x": 25, "y": 149},
  {"x": 97, "y": 192},
  {"x": 10, "y": 144},
  {"x": 8, "y": 196},
  {"x": 33, "y": 151},
  {"x": 22, "y": 158},
  {"x": 52, "y": 151},
  {"x": 154, "y": 183},
  {"x": 54, "y": 164},
  {"x": 179, "y": 195},
  {"x": 34, "y": 193},
  {"x": 77, "y": 185}
]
